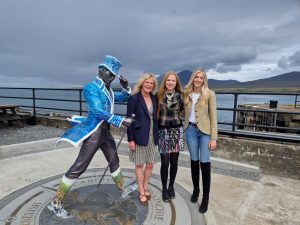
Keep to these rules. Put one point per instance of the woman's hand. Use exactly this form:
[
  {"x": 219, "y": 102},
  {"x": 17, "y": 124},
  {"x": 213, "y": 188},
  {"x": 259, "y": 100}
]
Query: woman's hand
[
  {"x": 132, "y": 146},
  {"x": 212, "y": 145}
]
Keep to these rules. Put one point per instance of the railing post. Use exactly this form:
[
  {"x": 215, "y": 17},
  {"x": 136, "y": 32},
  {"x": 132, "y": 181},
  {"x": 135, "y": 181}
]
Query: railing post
[
  {"x": 296, "y": 100},
  {"x": 32, "y": 120},
  {"x": 234, "y": 111},
  {"x": 33, "y": 99},
  {"x": 80, "y": 102}
]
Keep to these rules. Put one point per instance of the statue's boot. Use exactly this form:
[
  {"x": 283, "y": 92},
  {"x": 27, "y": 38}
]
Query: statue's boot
[
  {"x": 119, "y": 181},
  {"x": 56, "y": 205},
  {"x": 129, "y": 188}
]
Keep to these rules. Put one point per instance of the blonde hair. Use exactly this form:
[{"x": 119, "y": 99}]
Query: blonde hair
[
  {"x": 190, "y": 86},
  {"x": 138, "y": 87},
  {"x": 162, "y": 88}
]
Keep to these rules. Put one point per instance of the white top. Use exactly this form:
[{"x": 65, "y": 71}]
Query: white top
[{"x": 195, "y": 97}]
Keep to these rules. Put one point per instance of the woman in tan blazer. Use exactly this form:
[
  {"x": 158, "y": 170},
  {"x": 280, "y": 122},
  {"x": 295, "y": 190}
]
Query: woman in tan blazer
[{"x": 201, "y": 132}]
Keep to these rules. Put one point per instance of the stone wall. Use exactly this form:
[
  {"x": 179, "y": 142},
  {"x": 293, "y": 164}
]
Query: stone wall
[
  {"x": 57, "y": 122},
  {"x": 281, "y": 159}
]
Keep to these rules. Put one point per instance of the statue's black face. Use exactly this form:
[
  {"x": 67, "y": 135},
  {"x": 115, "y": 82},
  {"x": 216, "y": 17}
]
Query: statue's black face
[{"x": 106, "y": 75}]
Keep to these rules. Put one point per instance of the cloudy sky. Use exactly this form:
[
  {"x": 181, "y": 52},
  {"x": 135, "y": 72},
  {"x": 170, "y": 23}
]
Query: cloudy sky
[{"x": 60, "y": 43}]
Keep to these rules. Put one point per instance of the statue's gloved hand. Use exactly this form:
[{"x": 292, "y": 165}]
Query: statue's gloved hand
[
  {"x": 127, "y": 121},
  {"x": 123, "y": 82}
]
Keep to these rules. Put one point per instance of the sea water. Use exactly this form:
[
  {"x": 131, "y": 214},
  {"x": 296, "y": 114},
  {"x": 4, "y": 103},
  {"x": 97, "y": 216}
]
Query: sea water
[{"x": 223, "y": 101}]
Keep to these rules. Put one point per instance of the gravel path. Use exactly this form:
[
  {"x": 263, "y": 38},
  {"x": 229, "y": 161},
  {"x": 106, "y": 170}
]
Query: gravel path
[{"x": 15, "y": 135}]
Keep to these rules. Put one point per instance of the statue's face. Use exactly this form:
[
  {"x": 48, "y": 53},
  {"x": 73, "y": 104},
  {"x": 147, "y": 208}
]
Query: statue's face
[{"x": 106, "y": 75}]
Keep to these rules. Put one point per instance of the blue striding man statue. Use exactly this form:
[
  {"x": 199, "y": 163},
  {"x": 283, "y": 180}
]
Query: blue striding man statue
[{"x": 93, "y": 132}]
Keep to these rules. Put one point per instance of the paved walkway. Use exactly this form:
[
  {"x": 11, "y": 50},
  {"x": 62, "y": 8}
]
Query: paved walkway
[{"x": 234, "y": 201}]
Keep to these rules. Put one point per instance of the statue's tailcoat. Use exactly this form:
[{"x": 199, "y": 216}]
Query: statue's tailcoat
[{"x": 100, "y": 105}]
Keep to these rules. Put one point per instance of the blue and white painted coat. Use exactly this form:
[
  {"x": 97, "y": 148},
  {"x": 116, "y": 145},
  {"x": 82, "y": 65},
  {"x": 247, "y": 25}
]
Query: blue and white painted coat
[{"x": 100, "y": 108}]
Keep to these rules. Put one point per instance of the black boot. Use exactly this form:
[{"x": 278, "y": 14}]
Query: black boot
[
  {"x": 195, "y": 170},
  {"x": 165, "y": 195},
  {"x": 205, "y": 170},
  {"x": 171, "y": 192}
]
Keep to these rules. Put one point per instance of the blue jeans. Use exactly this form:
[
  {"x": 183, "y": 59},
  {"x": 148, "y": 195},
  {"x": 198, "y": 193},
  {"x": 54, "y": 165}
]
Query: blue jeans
[{"x": 197, "y": 143}]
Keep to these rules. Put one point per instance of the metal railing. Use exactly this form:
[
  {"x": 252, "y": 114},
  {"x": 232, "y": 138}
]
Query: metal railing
[
  {"x": 35, "y": 99},
  {"x": 296, "y": 100},
  {"x": 233, "y": 131}
]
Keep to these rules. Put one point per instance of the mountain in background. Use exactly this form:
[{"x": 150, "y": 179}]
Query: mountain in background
[{"x": 291, "y": 79}]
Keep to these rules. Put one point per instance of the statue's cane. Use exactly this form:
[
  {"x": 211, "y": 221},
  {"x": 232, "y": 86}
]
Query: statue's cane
[{"x": 132, "y": 117}]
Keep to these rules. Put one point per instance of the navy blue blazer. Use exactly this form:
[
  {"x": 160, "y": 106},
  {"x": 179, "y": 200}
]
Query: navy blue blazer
[{"x": 138, "y": 131}]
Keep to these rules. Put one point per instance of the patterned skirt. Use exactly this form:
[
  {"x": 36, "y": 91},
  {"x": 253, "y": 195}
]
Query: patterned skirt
[
  {"x": 145, "y": 154},
  {"x": 170, "y": 140}
]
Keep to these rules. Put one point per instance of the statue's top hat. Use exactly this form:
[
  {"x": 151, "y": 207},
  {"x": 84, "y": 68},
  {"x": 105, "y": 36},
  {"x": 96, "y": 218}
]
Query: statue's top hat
[{"x": 112, "y": 64}]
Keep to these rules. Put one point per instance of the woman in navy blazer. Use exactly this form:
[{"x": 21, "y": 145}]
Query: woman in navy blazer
[
  {"x": 139, "y": 130},
  {"x": 143, "y": 132}
]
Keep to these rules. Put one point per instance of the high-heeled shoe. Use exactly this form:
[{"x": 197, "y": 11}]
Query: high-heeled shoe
[
  {"x": 143, "y": 202},
  {"x": 147, "y": 194}
]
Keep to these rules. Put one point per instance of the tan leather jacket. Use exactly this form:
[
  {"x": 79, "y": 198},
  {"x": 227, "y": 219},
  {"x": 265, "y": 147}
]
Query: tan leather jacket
[{"x": 206, "y": 115}]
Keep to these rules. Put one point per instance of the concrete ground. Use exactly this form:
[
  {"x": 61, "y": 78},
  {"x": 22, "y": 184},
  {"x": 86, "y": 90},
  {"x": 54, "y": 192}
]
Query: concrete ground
[{"x": 234, "y": 201}]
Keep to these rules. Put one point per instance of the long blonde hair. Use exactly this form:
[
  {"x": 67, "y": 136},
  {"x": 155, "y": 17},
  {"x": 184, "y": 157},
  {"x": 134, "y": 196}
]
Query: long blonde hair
[
  {"x": 162, "y": 88},
  {"x": 190, "y": 86},
  {"x": 138, "y": 87}
]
